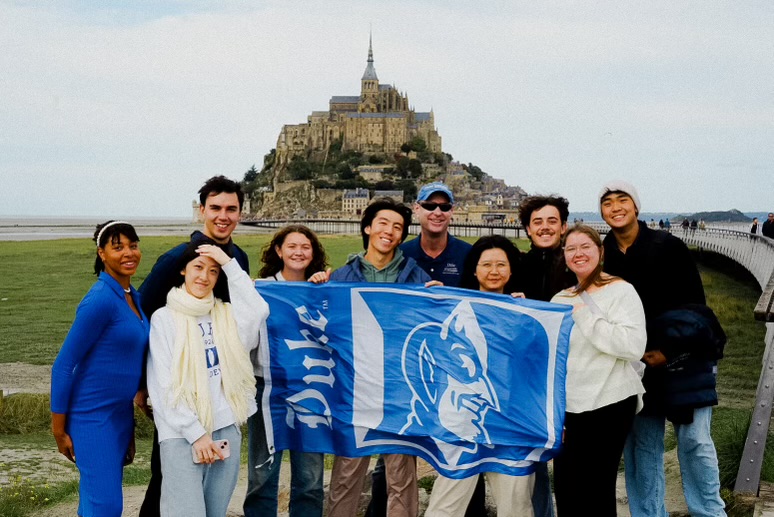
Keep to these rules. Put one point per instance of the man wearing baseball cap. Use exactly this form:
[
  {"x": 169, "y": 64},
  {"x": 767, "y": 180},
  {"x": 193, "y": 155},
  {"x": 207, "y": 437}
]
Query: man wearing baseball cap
[
  {"x": 436, "y": 251},
  {"x": 661, "y": 269}
]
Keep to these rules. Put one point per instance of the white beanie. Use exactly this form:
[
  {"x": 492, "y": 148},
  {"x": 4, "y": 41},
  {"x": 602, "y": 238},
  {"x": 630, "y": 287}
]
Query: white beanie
[{"x": 621, "y": 186}]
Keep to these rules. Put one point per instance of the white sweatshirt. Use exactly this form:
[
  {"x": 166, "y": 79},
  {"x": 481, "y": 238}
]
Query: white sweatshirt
[
  {"x": 250, "y": 311},
  {"x": 606, "y": 338}
]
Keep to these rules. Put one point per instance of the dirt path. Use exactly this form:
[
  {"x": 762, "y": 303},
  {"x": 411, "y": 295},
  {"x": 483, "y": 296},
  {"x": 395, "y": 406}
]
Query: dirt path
[{"x": 24, "y": 378}]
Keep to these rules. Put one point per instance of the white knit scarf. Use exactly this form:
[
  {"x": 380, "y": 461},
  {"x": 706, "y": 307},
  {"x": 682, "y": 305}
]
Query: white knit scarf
[{"x": 190, "y": 380}]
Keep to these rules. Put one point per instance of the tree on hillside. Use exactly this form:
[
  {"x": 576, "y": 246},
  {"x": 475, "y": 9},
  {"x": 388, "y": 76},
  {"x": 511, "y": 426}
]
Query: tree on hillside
[
  {"x": 418, "y": 144},
  {"x": 414, "y": 168},
  {"x": 474, "y": 171},
  {"x": 251, "y": 175},
  {"x": 300, "y": 169},
  {"x": 401, "y": 167}
]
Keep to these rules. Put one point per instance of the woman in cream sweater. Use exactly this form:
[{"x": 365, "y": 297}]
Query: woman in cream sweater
[{"x": 603, "y": 389}]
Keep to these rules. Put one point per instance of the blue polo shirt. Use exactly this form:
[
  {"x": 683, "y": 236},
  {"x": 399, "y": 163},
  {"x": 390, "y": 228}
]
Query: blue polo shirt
[{"x": 447, "y": 267}]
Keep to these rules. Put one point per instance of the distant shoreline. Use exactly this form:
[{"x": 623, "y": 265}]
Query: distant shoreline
[{"x": 50, "y": 228}]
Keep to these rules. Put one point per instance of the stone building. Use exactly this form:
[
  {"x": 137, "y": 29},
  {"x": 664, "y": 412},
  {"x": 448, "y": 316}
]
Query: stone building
[
  {"x": 379, "y": 120},
  {"x": 354, "y": 201}
]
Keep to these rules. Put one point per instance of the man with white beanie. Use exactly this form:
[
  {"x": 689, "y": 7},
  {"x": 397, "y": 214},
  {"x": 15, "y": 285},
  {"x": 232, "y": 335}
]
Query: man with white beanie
[{"x": 661, "y": 269}]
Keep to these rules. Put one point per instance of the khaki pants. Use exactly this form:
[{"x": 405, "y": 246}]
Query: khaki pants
[
  {"x": 347, "y": 479},
  {"x": 512, "y": 495}
]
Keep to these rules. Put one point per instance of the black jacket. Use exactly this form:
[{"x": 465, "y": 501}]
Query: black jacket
[
  {"x": 542, "y": 273},
  {"x": 661, "y": 269}
]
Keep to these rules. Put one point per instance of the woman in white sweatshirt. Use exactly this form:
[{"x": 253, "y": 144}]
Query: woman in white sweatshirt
[
  {"x": 603, "y": 389},
  {"x": 201, "y": 382}
]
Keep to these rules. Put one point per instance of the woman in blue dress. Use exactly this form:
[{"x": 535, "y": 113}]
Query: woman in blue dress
[{"x": 97, "y": 373}]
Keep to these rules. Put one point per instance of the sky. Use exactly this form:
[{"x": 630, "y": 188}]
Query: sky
[{"x": 124, "y": 108}]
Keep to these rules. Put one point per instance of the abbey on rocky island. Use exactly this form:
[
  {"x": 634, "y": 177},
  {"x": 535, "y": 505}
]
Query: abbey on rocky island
[{"x": 378, "y": 121}]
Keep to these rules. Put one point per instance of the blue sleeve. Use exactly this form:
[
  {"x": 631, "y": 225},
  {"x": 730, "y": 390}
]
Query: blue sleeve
[{"x": 91, "y": 319}]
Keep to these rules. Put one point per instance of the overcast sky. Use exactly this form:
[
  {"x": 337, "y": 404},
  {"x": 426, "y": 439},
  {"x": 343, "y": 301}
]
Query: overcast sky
[{"x": 124, "y": 108}]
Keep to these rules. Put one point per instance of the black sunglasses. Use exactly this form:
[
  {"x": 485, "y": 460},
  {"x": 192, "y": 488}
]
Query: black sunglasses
[{"x": 427, "y": 205}]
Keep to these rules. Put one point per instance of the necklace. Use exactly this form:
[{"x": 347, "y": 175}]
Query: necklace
[{"x": 127, "y": 290}]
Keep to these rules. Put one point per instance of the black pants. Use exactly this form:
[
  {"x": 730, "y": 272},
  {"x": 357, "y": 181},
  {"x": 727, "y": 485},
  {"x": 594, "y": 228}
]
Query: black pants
[
  {"x": 151, "y": 506},
  {"x": 586, "y": 469}
]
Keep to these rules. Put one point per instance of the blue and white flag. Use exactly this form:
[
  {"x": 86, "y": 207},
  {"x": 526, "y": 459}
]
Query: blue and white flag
[{"x": 471, "y": 382}]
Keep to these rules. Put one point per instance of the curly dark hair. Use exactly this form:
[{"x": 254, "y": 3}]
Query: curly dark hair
[
  {"x": 111, "y": 234},
  {"x": 376, "y": 206},
  {"x": 532, "y": 203},
  {"x": 469, "y": 280},
  {"x": 219, "y": 184},
  {"x": 272, "y": 264}
]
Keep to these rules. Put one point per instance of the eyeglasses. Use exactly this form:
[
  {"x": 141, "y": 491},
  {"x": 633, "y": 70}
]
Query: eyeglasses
[
  {"x": 488, "y": 266},
  {"x": 429, "y": 206},
  {"x": 572, "y": 250}
]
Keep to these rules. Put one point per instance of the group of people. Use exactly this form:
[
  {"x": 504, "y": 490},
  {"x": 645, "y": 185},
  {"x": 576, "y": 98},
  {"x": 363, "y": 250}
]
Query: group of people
[
  {"x": 188, "y": 340},
  {"x": 766, "y": 228}
]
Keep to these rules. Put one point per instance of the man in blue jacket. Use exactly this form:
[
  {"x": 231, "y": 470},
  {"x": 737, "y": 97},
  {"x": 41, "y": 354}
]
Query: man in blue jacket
[
  {"x": 661, "y": 269},
  {"x": 384, "y": 227}
]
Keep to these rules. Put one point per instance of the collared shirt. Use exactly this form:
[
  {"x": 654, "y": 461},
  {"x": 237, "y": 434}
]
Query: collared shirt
[{"x": 446, "y": 267}]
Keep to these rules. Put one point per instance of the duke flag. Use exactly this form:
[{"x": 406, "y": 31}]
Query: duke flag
[{"x": 471, "y": 382}]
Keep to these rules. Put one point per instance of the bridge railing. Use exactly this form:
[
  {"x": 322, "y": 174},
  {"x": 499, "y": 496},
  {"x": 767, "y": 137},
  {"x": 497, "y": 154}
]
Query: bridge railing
[{"x": 756, "y": 254}]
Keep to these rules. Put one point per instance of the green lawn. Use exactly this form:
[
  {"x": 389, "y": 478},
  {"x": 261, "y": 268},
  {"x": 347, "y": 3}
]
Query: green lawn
[{"x": 43, "y": 281}]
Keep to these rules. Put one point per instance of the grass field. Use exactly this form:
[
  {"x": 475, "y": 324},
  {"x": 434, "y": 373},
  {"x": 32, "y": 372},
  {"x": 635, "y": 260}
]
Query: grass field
[{"x": 41, "y": 283}]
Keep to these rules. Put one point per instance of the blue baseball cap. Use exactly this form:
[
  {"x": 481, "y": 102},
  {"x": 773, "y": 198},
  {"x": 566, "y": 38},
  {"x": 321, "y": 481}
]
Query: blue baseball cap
[{"x": 431, "y": 188}]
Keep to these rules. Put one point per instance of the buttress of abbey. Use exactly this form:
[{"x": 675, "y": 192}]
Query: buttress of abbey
[{"x": 379, "y": 120}]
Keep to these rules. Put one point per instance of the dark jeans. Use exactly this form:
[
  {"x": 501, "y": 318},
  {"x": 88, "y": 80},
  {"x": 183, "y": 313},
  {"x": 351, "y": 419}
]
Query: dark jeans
[{"x": 586, "y": 469}]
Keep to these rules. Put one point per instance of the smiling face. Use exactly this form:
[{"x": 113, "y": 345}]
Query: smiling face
[
  {"x": 493, "y": 270},
  {"x": 581, "y": 254},
  {"x": 201, "y": 274},
  {"x": 295, "y": 252},
  {"x": 546, "y": 227},
  {"x": 385, "y": 232},
  {"x": 436, "y": 221},
  {"x": 221, "y": 215},
  {"x": 121, "y": 258},
  {"x": 618, "y": 210}
]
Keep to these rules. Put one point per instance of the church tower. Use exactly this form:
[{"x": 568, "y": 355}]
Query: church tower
[{"x": 369, "y": 85}]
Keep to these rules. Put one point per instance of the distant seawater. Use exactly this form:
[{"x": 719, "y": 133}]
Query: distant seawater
[{"x": 46, "y": 228}]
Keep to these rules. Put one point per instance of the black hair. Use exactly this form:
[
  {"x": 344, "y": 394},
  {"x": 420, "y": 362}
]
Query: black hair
[
  {"x": 469, "y": 280},
  {"x": 219, "y": 184},
  {"x": 379, "y": 204},
  {"x": 532, "y": 203},
  {"x": 190, "y": 254},
  {"x": 272, "y": 264},
  {"x": 113, "y": 235}
]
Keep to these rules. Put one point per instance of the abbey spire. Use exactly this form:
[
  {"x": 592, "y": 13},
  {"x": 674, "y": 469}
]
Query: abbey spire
[{"x": 369, "y": 84}]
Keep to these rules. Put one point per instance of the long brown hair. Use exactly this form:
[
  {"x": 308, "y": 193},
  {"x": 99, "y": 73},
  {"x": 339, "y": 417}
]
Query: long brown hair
[
  {"x": 596, "y": 277},
  {"x": 272, "y": 264}
]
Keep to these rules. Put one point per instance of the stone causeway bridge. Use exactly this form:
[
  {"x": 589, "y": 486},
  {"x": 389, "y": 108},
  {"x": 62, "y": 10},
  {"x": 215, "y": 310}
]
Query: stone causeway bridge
[{"x": 753, "y": 252}]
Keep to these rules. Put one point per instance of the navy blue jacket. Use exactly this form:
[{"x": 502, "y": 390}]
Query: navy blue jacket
[{"x": 166, "y": 274}]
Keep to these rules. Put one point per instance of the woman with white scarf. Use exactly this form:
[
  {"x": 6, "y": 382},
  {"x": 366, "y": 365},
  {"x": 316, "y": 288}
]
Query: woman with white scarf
[{"x": 201, "y": 382}]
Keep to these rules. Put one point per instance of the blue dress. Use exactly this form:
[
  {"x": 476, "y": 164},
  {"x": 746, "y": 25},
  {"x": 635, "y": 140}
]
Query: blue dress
[{"x": 93, "y": 381}]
